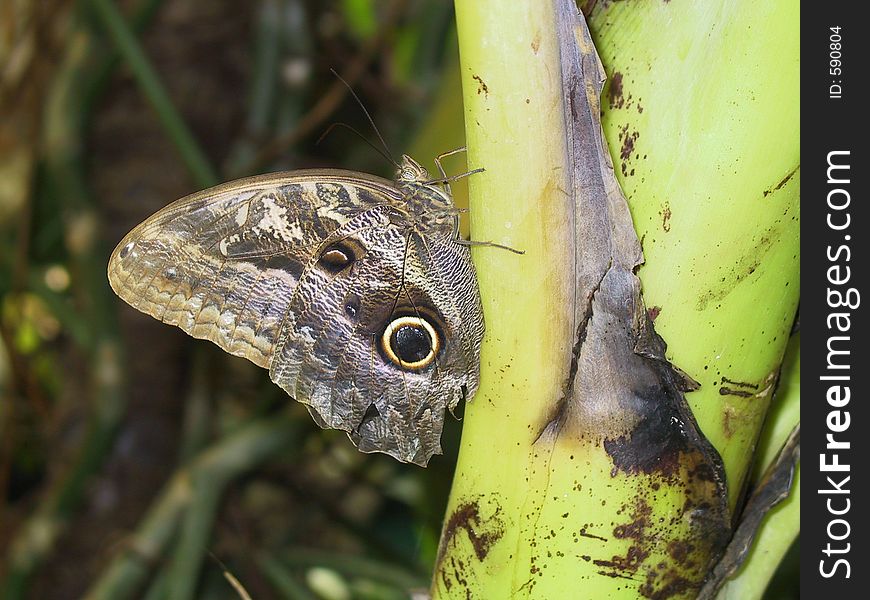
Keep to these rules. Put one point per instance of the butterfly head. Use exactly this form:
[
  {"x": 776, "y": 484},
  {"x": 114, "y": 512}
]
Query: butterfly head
[{"x": 410, "y": 171}]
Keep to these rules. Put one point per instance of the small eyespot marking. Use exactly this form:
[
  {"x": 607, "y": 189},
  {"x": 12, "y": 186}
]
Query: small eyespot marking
[
  {"x": 336, "y": 258},
  {"x": 125, "y": 251},
  {"x": 351, "y": 306}
]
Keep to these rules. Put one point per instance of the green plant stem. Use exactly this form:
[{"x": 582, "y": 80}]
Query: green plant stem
[
  {"x": 353, "y": 566},
  {"x": 131, "y": 51},
  {"x": 781, "y": 526},
  {"x": 208, "y": 473},
  {"x": 282, "y": 580},
  {"x": 704, "y": 129},
  {"x": 510, "y": 92},
  {"x": 198, "y": 417},
  {"x": 533, "y": 519},
  {"x": 141, "y": 16},
  {"x": 194, "y": 534},
  {"x": 159, "y": 587}
]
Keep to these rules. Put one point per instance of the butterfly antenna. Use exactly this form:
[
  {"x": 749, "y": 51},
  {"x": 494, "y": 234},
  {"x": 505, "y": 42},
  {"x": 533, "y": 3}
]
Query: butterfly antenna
[
  {"x": 361, "y": 136},
  {"x": 368, "y": 116}
]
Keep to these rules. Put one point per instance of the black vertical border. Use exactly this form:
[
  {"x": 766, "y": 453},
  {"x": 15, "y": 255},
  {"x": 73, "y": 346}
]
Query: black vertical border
[{"x": 830, "y": 124}]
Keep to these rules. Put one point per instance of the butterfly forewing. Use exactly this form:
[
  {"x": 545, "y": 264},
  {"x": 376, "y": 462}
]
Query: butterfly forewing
[
  {"x": 222, "y": 264},
  {"x": 303, "y": 273}
]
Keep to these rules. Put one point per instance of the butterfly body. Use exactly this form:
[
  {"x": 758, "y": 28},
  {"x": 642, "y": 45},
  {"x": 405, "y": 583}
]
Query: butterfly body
[{"x": 351, "y": 289}]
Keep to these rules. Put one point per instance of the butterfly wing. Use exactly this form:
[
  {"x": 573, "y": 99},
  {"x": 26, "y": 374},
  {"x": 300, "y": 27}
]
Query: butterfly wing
[
  {"x": 332, "y": 354},
  {"x": 299, "y": 273},
  {"x": 222, "y": 264}
]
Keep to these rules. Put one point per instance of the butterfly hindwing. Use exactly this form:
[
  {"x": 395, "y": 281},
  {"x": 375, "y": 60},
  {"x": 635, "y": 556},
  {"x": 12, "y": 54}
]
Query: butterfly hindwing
[{"x": 331, "y": 357}]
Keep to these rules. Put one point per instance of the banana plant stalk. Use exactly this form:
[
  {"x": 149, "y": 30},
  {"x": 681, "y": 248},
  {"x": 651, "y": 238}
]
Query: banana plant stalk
[
  {"x": 581, "y": 480},
  {"x": 704, "y": 126}
]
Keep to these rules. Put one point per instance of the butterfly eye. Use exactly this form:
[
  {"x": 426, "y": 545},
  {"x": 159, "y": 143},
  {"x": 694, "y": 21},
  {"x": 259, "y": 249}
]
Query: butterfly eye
[
  {"x": 336, "y": 257},
  {"x": 410, "y": 342}
]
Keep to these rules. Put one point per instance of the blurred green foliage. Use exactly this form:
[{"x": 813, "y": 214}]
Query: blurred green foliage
[{"x": 135, "y": 462}]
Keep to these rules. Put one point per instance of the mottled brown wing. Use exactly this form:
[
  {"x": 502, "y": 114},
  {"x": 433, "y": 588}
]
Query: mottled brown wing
[
  {"x": 246, "y": 265},
  {"x": 439, "y": 282},
  {"x": 222, "y": 264},
  {"x": 330, "y": 354}
]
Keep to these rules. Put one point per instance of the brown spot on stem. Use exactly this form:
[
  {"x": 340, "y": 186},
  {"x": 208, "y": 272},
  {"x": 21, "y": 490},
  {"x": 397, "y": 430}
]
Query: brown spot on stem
[
  {"x": 627, "y": 150},
  {"x": 481, "y": 533},
  {"x": 635, "y": 530},
  {"x": 726, "y": 391},
  {"x": 665, "y": 212},
  {"x": 781, "y": 183},
  {"x": 628, "y": 141},
  {"x": 584, "y": 533},
  {"x": 674, "y": 585},
  {"x": 481, "y": 85},
  {"x": 615, "y": 99},
  {"x": 680, "y": 551},
  {"x": 752, "y": 258},
  {"x": 744, "y": 384}
]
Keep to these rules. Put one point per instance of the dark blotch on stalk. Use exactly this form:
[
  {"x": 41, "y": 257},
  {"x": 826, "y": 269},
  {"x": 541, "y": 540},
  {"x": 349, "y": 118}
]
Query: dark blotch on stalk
[
  {"x": 614, "y": 92},
  {"x": 636, "y": 531},
  {"x": 743, "y": 267},
  {"x": 663, "y": 580},
  {"x": 726, "y": 391},
  {"x": 676, "y": 585},
  {"x": 665, "y": 448},
  {"x": 585, "y": 533},
  {"x": 482, "y": 533},
  {"x": 654, "y": 445},
  {"x": 628, "y": 139},
  {"x": 781, "y": 183},
  {"x": 666, "y": 217},
  {"x": 481, "y": 85},
  {"x": 681, "y": 552},
  {"x": 743, "y": 384}
]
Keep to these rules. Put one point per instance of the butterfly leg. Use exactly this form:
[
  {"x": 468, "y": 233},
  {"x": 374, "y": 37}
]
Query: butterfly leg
[
  {"x": 445, "y": 179},
  {"x": 445, "y": 155},
  {"x": 457, "y": 236},
  {"x": 463, "y": 242}
]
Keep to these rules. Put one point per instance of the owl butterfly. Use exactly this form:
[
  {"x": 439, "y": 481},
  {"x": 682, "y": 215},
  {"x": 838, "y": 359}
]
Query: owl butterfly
[{"x": 354, "y": 291}]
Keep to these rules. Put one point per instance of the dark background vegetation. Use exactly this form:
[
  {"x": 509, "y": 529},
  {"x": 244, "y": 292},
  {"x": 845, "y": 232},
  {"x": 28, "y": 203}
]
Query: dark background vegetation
[
  {"x": 108, "y": 417},
  {"x": 138, "y": 462}
]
